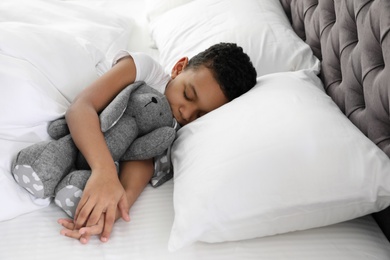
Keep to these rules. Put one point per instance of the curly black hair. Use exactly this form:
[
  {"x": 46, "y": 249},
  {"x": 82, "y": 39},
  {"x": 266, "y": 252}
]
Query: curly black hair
[{"x": 230, "y": 66}]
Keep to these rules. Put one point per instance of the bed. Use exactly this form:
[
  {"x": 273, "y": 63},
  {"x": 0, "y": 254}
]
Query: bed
[{"x": 297, "y": 168}]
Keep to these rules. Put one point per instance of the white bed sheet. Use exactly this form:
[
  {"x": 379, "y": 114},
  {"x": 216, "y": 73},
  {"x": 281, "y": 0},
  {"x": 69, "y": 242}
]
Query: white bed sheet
[{"x": 36, "y": 236}]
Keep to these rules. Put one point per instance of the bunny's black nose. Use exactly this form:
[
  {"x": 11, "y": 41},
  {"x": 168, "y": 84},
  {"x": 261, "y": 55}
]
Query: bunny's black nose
[{"x": 154, "y": 100}]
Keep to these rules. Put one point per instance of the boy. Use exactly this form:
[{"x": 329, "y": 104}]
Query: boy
[{"x": 195, "y": 87}]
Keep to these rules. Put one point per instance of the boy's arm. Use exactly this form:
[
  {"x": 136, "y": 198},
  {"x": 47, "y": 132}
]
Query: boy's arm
[
  {"x": 134, "y": 176},
  {"x": 103, "y": 192}
]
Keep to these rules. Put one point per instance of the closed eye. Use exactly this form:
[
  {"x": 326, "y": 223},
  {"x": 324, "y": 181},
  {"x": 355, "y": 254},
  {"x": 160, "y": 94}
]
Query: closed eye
[{"x": 185, "y": 95}]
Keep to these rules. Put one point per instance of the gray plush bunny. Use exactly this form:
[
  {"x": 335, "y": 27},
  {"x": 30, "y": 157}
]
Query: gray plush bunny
[{"x": 137, "y": 125}]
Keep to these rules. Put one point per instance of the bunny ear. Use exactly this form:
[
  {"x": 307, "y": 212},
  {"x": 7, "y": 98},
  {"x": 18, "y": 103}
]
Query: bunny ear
[{"x": 114, "y": 111}]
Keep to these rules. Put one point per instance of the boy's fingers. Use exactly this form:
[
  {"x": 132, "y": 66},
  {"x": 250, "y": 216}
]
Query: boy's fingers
[
  {"x": 80, "y": 206},
  {"x": 84, "y": 239},
  {"x": 68, "y": 220},
  {"x": 66, "y": 223},
  {"x": 70, "y": 233},
  {"x": 87, "y": 232},
  {"x": 125, "y": 215},
  {"x": 84, "y": 215},
  {"x": 96, "y": 214},
  {"x": 93, "y": 230},
  {"x": 124, "y": 210},
  {"x": 109, "y": 221}
]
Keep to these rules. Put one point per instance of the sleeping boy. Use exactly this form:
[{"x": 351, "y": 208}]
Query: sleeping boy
[{"x": 195, "y": 87}]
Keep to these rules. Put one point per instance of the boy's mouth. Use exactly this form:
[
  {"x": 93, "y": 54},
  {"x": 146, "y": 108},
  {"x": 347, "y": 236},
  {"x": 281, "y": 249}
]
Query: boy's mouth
[{"x": 179, "y": 119}]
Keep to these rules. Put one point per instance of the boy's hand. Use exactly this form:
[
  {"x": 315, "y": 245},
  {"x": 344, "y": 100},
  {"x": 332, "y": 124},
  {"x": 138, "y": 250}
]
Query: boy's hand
[
  {"x": 102, "y": 195},
  {"x": 84, "y": 234}
]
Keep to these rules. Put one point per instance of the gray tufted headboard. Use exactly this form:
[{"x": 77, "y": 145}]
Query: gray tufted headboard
[{"x": 352, "y": 40}]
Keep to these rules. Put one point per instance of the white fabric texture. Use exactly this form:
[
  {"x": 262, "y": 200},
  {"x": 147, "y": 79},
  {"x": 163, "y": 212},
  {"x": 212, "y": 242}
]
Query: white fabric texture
[
  {"x": 156, "y": 8},
  {"x": 49, "y": 52},
  {"x": 35, "y": 92},
  {"x": 107, "y": 31},
  {"x": 260, "y": 27},
  {"x": 280, "y": 158},
  {"x": 147, "y": 69},
  {"x": 146, "y": 236}
]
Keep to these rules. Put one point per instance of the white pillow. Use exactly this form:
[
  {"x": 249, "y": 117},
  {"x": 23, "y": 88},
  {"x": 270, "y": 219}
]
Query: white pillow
[
  {"x": 260, "y": 27},
  {"x": 280, "y": 158},
  {"x": 155, "y": 8}
]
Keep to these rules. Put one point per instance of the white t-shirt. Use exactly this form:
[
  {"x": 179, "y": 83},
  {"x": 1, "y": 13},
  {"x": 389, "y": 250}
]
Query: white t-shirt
[{"x": 147, "y": 69}]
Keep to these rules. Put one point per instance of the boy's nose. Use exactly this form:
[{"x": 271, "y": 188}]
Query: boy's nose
[{"x": 188, "y": 113}]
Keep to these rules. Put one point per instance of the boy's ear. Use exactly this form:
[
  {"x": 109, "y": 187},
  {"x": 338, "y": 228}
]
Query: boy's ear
[{"x": 179, "y": 67}]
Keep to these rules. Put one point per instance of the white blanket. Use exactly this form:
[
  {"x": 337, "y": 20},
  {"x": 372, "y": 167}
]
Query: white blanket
[{"x": 49, "y": 51}]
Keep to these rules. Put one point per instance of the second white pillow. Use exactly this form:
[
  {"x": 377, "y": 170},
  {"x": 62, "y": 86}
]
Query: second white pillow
[{"x": 260, "y": 27}]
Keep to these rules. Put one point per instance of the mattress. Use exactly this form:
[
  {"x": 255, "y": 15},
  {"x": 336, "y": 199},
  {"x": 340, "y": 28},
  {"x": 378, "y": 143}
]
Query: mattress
[{"x": 36, "y": 236}]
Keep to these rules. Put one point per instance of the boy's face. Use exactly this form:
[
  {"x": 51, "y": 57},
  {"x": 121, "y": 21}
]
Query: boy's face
[{"x": 192, "y": 93}]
